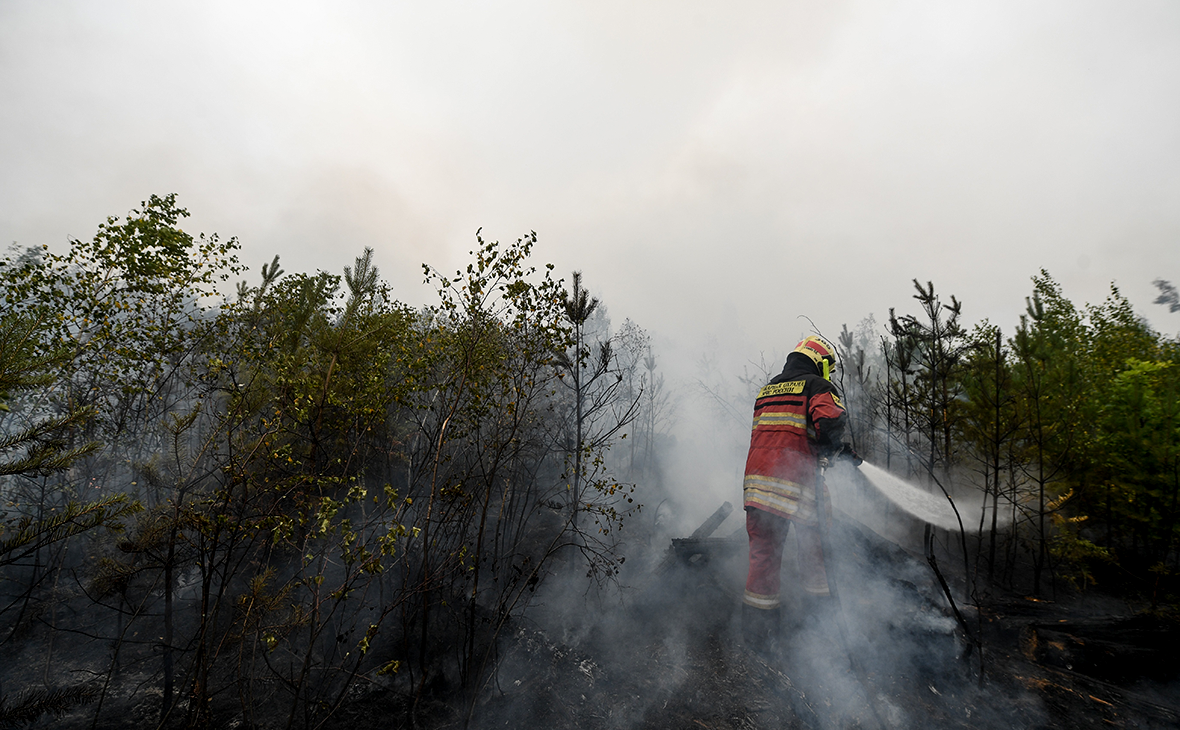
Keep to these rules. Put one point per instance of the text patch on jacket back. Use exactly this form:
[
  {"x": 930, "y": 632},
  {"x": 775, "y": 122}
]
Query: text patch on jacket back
[
  {"x": 775, "y": 409},
  {"x": 791, "y": 387}
]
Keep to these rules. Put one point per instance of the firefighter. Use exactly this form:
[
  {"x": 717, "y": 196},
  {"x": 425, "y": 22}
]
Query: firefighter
[{"x": 798, "y": 420}]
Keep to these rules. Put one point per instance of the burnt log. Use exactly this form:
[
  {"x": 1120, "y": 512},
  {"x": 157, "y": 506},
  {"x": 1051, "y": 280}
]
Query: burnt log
[
  {"x": 709, "y": 526},
  {"x": 700, "y": 548},
  {"x": 1117, "y": 650}
]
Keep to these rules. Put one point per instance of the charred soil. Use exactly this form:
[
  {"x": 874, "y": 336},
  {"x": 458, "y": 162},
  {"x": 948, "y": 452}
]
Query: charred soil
[
  {"x": 672, "y": 656},
  {"x": 669, "y": 655}
]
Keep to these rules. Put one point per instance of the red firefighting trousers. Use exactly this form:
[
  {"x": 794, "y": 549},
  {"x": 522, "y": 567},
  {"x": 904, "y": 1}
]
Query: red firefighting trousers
[{"x": 767, "y": 533}]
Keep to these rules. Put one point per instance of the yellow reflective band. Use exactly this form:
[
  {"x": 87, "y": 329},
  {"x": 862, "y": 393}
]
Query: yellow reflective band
[
  {"x": 757, "y": 600},
  {"x": 793, "y": 420},
  {"x": 771, "y": 480},
  {"x": 796, "y": 508},
  {"x": 770, "y": 484},
  {"x": 780, "y": 495},
  {"x": 791, "y": 387},
  {"x": 836, "y": 399},
  {"x": 816, "y": 586}
]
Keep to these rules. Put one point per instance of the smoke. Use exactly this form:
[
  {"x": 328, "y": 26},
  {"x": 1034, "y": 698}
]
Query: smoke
[{"x": 664, "y": 646}]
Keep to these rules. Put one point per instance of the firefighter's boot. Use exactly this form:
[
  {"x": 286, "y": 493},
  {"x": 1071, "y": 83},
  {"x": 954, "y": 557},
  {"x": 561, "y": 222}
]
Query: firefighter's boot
[
  {"x": 762, "y": 629},
  {"x": 816, "y": 610}
]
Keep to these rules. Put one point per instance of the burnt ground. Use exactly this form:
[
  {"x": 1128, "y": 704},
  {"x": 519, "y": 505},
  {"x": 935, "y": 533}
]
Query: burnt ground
[
  {"x": 669, "y": 655},
  {"x": 664, "y": 651}
]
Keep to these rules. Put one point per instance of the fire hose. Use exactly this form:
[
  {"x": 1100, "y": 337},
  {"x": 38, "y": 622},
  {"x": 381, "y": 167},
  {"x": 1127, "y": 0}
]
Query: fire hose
[{"x": 821, "y": 493}]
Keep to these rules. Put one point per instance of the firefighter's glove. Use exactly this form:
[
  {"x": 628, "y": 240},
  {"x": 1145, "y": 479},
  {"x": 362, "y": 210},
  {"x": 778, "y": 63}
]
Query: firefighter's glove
[{"x": 847, "y": 452}]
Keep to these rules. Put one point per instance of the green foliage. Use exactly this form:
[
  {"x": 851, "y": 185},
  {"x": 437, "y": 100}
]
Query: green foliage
[
  {"x": 1138, "y": 448},
  {"x": 29, "y": 535},
  {"x": 1069, "y": 429},
  {"x": 38, "y": 438},
  {"x": 934, "y": 344},
  {"x": 296, "y": 467},
  {"x": 124, "y": 308},
  {"x": 34, "y": 441}
]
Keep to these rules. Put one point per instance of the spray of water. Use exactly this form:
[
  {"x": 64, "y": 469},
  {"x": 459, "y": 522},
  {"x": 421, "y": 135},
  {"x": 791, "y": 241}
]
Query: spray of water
[{"x": 931, "y": 508}]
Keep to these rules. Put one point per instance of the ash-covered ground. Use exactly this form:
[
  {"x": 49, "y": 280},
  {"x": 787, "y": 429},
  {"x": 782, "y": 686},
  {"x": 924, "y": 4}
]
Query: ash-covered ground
[{"x": 667, "y": 652}]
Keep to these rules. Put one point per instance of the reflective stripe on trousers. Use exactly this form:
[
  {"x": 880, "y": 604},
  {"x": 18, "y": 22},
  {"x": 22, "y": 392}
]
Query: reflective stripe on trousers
[{"x": 767, "y": 533}]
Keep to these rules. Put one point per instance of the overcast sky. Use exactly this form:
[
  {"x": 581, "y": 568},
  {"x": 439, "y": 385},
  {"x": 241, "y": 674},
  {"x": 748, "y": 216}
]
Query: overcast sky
[{"x": 714, "y": 169}]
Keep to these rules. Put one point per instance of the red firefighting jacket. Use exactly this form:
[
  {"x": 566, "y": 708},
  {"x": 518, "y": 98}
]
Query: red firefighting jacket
[{"x": 797, "y": 416}]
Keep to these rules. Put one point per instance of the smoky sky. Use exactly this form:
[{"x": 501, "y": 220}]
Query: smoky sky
[{"x": 716, "y": 170}]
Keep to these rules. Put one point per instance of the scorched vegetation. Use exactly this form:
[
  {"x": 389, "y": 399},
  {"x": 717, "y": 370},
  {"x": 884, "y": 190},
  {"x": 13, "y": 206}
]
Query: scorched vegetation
[{"x": 246, "y": 508}]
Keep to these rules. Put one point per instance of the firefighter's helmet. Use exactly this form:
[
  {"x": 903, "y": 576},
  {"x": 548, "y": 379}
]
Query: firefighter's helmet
[{"x": 821, "y": 352}]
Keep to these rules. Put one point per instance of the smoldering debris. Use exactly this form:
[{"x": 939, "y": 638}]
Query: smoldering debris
[
  {"x": 1117, "y": 649},
  {"x": 670, "y": 653},
  {"x": 669, "y": 657},
  {"x": 701, "y": 546}
]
